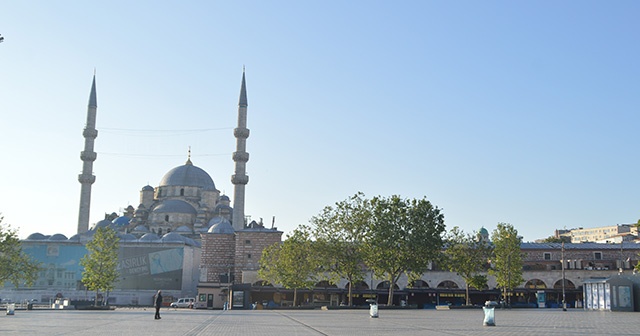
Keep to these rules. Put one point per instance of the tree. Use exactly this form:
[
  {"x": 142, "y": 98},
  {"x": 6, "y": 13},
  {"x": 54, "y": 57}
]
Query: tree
[
  {"x": 402, "y": 237},
  {"x": 554, "y": 239},
  {"x": 507, "y": 257},
  {"x": 290, "y": 263},
  {"x": 100, "y": 263},
  {"x": 468, "y": 257},
  {"x": 15, "y": 265},
  {"x": 338, "y": 233}
]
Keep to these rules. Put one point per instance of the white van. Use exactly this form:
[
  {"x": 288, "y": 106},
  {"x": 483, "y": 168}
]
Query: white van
[{"x": 183, "y": 303}]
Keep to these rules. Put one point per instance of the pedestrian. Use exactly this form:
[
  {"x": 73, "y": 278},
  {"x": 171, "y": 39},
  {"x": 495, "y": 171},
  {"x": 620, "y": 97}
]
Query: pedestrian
[{"x": 158, "y": 303}]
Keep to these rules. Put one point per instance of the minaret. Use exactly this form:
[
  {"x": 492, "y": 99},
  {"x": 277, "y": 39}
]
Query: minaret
[
  {"x": 240, "y": 157},
  {"x": 87, "y": 156}
]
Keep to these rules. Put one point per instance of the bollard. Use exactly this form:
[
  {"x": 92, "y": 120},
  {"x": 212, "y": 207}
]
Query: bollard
[{"x": 489, "y": 316}]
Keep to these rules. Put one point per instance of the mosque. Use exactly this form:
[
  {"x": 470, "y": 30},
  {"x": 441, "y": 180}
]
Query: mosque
[{"x": 184, "y": 237}]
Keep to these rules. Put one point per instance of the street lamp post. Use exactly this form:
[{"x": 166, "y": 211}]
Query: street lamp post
[
  {"x": 509, "y": 280},
  {"x": 564, "y": 303}
]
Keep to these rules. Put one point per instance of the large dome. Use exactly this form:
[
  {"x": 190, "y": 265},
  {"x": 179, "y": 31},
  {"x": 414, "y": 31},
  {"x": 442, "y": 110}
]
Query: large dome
[{"x": 188, "y": 176}]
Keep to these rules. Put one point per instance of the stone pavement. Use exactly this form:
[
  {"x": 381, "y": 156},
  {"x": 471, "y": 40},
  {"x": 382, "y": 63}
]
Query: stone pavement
[{"x": 139, "y": 321}]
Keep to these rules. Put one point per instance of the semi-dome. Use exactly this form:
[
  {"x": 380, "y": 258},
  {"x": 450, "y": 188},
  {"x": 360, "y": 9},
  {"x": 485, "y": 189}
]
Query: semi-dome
[
  {"x": 188, "y": 175},
  {"x": 175, "y": 206}
]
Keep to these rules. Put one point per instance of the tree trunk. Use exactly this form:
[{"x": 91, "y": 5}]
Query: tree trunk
[
  {"x": 390, "y": 299},
  {"x": 467, "y": 285},
  {"x": 350, "y": 297},
  {"x": 295, "y": 296},
  {"x": 96, "y": 299}
]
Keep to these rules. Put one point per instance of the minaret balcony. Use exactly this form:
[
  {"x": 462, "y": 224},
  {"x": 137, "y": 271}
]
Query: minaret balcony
[
  {"x": 88, "y": 156},
  {"x": 240, "y": 156},
  {"x": 239, "y": 179},
  {"x": 86, "y": 178},
  {"x": 90, "y": 133},
  {"x": 241, "y": 133}
]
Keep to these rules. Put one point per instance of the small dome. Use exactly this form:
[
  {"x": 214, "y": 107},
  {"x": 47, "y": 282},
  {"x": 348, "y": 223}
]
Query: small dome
[
  {"x": 75, "y": 238},
  {"x": 175, "y": 206},
  {"x": 147, "y": 188},
  {"x": 183, "y": 228},
  {"x": 122, "y": 221},
  {"x": 172, "y": 237},
  {"x": 149, "y": 237},
  {"x": 222, "y": 227},
  {"x": 58, "y": 236},
  {"x": 102, "y": 223},
  {"x": 221, "y": 208},
  {"x": 188, "y": 175},
  {"x": 224, "y": 198},
  {"x": 127, "y": 237},
  {"x": 36, "y": 236},
  {"x": 140, "y": 229}
]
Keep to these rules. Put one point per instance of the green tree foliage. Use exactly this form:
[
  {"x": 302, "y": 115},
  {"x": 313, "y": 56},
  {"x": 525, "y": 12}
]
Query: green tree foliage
[
  {"x": 291, "y": 263},
  {"x": 468, "y": 257},
  {"x": 100, "y": 263},
  {"x": 554, "y": 239},
  {"x": 338, "y": 233},
  {"x": 507, "y": 257},
  {"x": 15, "y": 265},
  {"x": 402, "y": 236}
]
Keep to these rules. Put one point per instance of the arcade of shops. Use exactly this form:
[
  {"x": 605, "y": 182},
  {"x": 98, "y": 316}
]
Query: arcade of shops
[{"x": 259, "y": 296}]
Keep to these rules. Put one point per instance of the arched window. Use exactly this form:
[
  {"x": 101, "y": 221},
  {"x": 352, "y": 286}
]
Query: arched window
[
  {"x": 535, "y": 284},
  {"x": 182, "y": 192},
  {"x": 567, "y": 284},
  {"x": 359, "y": 285},
  {"x": 419, "y": 284},
  {"x": 448, "y": 284},
  {"x": 166, "y": 218},
  {"x": 325, "y": 284},
  {"x": 385, "y": 285}
]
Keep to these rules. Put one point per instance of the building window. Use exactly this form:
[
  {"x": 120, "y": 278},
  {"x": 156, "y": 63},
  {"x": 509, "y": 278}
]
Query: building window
[
  {"x": 597, "y": 255},
  {"x": 166, "y": 218},
  {"x": 249, "y": 256},
  {"x": 547, "y": 256},
  {"x": 182, "y": 192},
  {"x": 247, "y": 242}
]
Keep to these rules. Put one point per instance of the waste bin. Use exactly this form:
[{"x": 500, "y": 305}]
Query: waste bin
[
  {"x": 29, "y": 306},
  {"x": 489, "y": 316},
  {"x": 373, "y": 308},
  {"x": 11, "y": 308}
]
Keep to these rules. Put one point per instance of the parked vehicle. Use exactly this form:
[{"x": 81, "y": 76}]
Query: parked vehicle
[{"x": 183, "y": 303}]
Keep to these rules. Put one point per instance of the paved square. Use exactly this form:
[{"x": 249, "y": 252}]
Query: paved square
[{"x": 139, "y": 321}]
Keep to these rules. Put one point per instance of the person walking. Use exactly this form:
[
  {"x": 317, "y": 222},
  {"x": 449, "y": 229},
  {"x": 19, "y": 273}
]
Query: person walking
[{"x": 158, "y": 303}]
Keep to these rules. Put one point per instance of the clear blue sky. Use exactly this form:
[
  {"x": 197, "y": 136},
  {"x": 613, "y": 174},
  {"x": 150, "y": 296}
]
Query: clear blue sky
[{"x": 523, "y": 112}]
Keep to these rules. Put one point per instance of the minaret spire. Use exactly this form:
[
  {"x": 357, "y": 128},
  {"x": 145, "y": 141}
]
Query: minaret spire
[
  {"x": 240, "y": 157},
  {"x": 88, "y": 155}
]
